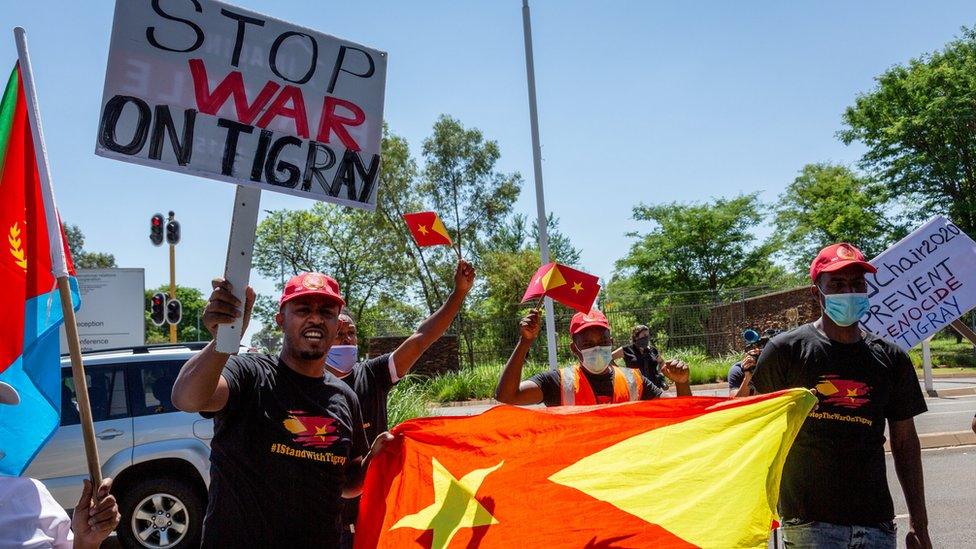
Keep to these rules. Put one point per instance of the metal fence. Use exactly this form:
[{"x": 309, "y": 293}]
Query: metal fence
[{"x": 676, "y": 320}]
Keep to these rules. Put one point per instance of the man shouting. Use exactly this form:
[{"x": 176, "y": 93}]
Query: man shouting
[{"x": 288, "y": 436}]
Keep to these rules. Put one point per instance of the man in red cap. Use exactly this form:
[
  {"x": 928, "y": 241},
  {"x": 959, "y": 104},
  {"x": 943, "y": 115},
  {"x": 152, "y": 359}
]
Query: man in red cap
[
  {"x": 593, "y": 380},
  {"x": 288, "y": 436},
  {"x": 834, "y": 491}
]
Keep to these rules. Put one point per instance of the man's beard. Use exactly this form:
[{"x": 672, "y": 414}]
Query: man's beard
[{"x": 311, "y": 355}]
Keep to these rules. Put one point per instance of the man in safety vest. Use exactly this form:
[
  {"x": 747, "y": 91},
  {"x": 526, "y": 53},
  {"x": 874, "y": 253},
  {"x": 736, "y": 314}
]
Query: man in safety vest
[{"x": 593, "y": 380}]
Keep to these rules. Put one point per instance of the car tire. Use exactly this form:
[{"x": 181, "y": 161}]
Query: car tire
[{"x": 160, "y": 507}]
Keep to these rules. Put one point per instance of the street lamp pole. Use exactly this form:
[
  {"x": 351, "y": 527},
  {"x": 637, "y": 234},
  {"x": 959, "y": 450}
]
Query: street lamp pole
[{"x": 540, "y": 199}]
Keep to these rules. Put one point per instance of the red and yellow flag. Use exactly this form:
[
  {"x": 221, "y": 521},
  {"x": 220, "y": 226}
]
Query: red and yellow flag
[
  {"x": 670, "y": 472},
  {"x": 574, "y": 289},
  {"x": 427, "y": 229}
]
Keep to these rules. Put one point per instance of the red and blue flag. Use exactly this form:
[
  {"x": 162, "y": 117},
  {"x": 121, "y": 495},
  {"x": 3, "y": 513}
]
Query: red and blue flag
[{"x": 30, "y": 304}]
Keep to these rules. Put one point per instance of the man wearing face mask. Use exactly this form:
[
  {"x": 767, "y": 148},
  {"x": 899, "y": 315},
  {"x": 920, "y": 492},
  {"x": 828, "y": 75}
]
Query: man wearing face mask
[
  {"x": 593, "y": 380},
  {"x": 834, "y": 491},
  {"x": 373, "y": 379},
  {"x": 640, "y": 354}
]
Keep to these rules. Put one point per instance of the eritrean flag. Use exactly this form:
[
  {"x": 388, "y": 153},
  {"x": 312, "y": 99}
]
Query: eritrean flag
[
  {"x": 30, "y": 305},
  {"x": 670, "y": 472}
]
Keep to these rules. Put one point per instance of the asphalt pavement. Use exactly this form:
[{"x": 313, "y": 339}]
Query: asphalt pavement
[{"x": 950, "y": 494}]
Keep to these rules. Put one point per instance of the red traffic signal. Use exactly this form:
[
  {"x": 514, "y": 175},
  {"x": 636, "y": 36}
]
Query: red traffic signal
[
  {"x": 156, "y": 229},
  {"x": 157, "y": 308}
]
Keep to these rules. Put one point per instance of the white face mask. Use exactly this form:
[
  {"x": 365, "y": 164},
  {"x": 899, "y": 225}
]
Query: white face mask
[{"x": 596, "y": 359}]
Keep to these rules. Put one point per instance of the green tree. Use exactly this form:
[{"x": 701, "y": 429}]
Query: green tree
[
  {"x": 344, "y": 243},
  {"x": 463, "y": 187},
  {"x": 81, "y": 258},
  {"x": 699, "y": 246},
  {"x": 919, "y": 125},
  {"x": 193, "y": 302},
  {"x": 829, "y": 203},
  {"x": 461, "y": 184}
]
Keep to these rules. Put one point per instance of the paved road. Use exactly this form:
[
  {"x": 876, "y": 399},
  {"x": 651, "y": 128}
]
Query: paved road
[
  {"x": 950, "y": 493},
  {"x": 947, "y": 414}
]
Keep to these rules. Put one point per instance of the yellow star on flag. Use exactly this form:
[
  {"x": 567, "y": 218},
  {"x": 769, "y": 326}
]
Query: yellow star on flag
[
  {"x": 454, "y": 505},
  {"x": 577, "y": 287},
  {"x": 422, "y": 229}
]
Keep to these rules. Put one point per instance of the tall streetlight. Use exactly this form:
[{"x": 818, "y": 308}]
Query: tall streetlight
[{"x": 540, "y": 200}]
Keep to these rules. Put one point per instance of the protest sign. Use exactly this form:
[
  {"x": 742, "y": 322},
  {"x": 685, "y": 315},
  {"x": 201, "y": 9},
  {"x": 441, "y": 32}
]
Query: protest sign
[
  {"x": 209, "y": 89},
  {"x": 923, "y": 283}
]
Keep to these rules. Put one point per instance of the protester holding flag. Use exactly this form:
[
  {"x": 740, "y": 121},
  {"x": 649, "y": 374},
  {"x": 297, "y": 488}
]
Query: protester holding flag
[
  {"x": 30, "y": 516},
  {"x": 288, "y": 436},
  {"x": 835, "y": 491},
  {"x": 593, "y": 380},
  {"x": 373, "y": 379}
]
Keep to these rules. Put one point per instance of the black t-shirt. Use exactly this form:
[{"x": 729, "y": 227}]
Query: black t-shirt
[
  {"x": 835, "y": 471},
  {"x": 602, "y": 385},
  {"x": 646, "y": 361},
  {"x": 372, "y": 381},
  {"x": 281, "y": 451}
]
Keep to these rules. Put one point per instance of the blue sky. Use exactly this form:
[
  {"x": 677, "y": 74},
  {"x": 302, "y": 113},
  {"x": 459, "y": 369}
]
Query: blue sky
[{"x": 639, "y": 102}]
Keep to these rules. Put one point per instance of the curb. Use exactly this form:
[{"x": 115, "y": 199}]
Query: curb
[
  {"x": 959, "y": 391},
  {"x": 943, "y": 440}
]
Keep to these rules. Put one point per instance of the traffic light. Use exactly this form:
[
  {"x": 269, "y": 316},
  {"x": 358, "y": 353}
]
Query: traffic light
[
  {"x": 156, "y": 229},
  {"x": 174, "y": 311},
  {"x": 156, "y": 308},
  {"x": 173, "y": 232}
]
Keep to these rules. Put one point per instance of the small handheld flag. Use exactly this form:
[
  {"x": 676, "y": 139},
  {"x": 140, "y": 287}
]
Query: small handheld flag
[
  {"x": 427, "y": 229},
  {"x": 574, "y": 289}
]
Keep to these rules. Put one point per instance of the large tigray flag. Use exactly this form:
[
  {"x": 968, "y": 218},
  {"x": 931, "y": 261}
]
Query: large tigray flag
[
  {"x": 213, "y": 90},
  {"x": 670, "y": 472},
  {"x": 29, "y": 298},
  {"x": 923, "y": 283}
]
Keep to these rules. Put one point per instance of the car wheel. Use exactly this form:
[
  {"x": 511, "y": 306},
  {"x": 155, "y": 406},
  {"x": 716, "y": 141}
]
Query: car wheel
[{"x": 160, "y": 513}]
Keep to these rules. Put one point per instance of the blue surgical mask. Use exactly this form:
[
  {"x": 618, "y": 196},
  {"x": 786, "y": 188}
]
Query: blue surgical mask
[
  {"x": 846, "y": 309},
  {"x": 342, "y": 358},
  {"x": 596, "y": 359}
]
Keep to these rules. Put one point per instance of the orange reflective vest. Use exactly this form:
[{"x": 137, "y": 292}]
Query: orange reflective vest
[{"x": 575, "y": 390}]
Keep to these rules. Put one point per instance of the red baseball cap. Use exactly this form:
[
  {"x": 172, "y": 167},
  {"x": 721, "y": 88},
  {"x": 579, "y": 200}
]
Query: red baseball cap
[
  {"x": 311, "y": 284},
  {"x": 836, "y": 257},
  {"x": 582, "y": 321}
]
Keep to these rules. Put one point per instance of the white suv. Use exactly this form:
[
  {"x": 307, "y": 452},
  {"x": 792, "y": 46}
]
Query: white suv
[{"x": 158, "y": 455}]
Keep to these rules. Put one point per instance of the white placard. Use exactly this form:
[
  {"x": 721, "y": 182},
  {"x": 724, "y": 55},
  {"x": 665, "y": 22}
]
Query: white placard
[
  {"x": 923, "y": 283},
  {"x": 209, "y": 89},
  {"x": 112, "y": 313}
]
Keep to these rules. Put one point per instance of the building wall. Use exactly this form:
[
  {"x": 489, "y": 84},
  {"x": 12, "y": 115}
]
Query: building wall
[
  {"x": 441, "y": 357},
  {"x": 781, "y": 310}
]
